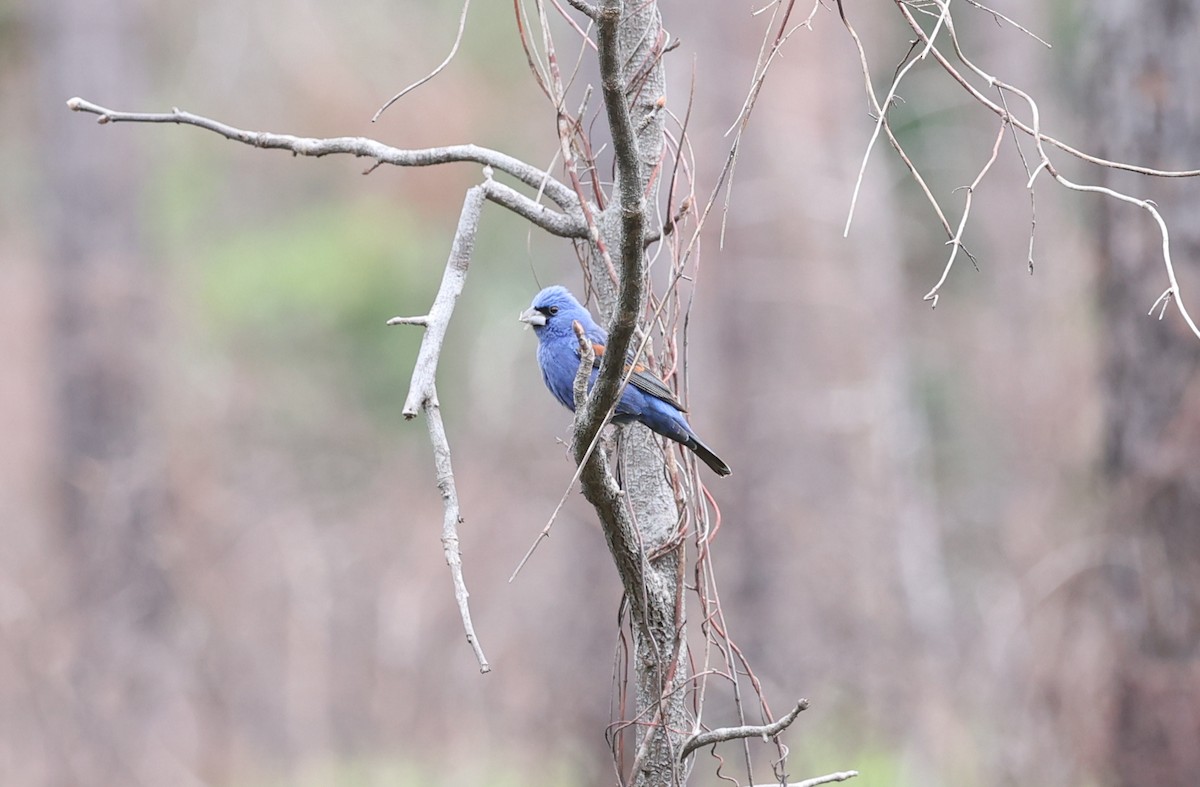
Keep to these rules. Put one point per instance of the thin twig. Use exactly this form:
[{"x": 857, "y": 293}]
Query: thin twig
[
  {"x": 944, "y": 19},
  {"x": 887, "y": 127},
  {"x": 761, "y": 67},
  {"x": 531, "y": 55},
  {"x": 451, "y": 520},
  {"x": 1165, "y": 300},
  {"x": 956, "y": 241},
  {"x": 1150, "y": 208},
  {"x": 584, "y": 35},
  {"x": 999, "y": 16},
  {"x": 732, "y": 157},
  {"x": 883, "y": 107},
  {"x": 1029, "y": 174},
  {"x": 462, "y": 26},
  {"x": 764, "y": 731}
]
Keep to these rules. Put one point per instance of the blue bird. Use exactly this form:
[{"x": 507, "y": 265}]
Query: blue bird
[{"x": 645, "y": 399}]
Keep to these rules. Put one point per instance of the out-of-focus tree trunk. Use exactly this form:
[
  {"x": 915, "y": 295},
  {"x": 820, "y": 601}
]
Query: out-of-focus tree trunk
[
  {"x": 107, "y": 483},
  {"x": 1144, "y": 105}
]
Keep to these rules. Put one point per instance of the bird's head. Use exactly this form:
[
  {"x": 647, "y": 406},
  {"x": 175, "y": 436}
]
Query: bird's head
[{"x": 553, "y": 310}]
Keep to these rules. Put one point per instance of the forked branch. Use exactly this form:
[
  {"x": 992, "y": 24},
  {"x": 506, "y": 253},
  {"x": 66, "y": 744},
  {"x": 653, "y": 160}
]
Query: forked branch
[
  {"x": 422, "y": 395},
  {"x": 764, "y": 731}
]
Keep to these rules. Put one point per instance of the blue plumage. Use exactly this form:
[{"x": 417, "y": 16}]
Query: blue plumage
[{"x": 645, "y": 399}]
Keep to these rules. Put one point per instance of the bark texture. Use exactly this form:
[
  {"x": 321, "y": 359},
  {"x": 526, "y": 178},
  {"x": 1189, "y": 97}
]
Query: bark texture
[{"x": 653, "y": 587}]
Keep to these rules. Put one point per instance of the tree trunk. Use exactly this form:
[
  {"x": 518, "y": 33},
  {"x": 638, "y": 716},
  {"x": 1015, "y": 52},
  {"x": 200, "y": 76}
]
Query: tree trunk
[
  {"x": 660, "y": 654},
  {"x": 1144, "y": 109}
]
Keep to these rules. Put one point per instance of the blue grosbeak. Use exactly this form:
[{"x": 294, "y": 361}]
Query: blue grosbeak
[{"x": 645, "y": 399}]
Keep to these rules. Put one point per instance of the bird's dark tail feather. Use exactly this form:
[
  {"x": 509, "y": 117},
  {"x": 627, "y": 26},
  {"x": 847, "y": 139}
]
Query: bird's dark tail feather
[{"x": 708, "y": 457}]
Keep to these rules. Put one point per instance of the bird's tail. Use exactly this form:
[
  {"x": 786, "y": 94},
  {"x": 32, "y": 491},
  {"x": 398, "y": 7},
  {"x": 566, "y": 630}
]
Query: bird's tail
[{"x": 707, "y": 456}]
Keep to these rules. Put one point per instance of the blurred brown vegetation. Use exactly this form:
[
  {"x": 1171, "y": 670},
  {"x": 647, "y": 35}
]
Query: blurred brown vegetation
[{"x": 221, "y": 561}]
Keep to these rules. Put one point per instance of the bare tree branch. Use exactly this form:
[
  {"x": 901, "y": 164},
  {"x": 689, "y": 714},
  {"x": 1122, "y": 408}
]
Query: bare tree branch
[
  {"x": 956, "y": 241},
  {"x": 362, "y": 147},
  {"x": 564, "y": 225},
  {"x": 587, "y": 9},
  {"x": 882, "y": 116},
  {"x": 940, "y": 10},
  {"x": 880, "y": 112},
  {"x": 945, "y": 63},
  {"x": 764, "y": 731},
  {"x": 1028, "y": 187},
  {"x": 1034, "y": 129},
  {"x": 422, "y": 394},
  {"x": 420, "y": 389},
  {"x": 1001, "y": 17},
  {"x": 451, "y": 520}
]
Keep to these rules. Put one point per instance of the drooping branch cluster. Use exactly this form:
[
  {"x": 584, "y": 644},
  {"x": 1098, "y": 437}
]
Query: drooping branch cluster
[{"x": 941, "y": 43}]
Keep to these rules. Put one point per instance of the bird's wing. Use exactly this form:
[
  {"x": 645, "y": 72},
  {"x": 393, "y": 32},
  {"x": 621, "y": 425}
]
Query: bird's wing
[{"x": 643, "y": 380}]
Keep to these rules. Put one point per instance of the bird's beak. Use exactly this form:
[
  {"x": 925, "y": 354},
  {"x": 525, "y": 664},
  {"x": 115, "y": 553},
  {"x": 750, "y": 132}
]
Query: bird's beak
[{"x": 533, "y": 317}]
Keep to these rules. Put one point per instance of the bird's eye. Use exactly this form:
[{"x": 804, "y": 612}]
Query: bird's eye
[{"x": 553, "y": 310}]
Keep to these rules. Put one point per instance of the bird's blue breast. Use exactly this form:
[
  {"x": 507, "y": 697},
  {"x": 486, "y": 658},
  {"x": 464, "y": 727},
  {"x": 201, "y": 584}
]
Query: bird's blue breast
[{"x": 559, "y": 361}]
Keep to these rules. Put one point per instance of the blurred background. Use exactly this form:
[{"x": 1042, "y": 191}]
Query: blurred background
[{"x": 953, "y": 530}]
